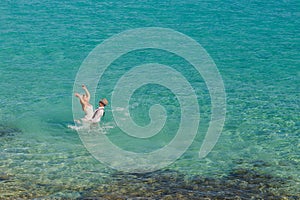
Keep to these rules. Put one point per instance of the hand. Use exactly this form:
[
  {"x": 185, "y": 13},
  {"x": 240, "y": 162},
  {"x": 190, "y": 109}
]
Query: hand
[
  {"x": 83, "y": 86},
  {"x": 77, "y": 95}
]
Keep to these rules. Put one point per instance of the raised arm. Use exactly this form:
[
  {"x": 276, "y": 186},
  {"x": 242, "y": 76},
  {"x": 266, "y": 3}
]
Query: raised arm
[
  {"x": 78, "y": 96},
  {"x": 81, "y": 100},
  {"x": 87, "y": 93}
]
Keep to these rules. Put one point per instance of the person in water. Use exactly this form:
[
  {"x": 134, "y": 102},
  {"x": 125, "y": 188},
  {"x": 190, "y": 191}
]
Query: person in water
[
  {"x": 99, "y": 112},
  {"x": 85, "y": 103}
]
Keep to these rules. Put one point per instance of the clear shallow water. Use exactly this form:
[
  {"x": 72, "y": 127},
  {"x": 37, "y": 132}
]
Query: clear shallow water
[{"x": 255, "y": 46}]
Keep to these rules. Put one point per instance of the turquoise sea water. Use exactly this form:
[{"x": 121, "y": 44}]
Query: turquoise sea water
[{"x": 255, "y": 45}]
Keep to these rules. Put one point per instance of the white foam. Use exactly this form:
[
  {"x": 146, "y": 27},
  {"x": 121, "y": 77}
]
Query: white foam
[
  {"x": 101, "y": 129},
  {"x": 74, "y": 127}
]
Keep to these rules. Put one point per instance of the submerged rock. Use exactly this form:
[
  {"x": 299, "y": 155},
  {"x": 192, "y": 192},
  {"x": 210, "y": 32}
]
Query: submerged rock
[
  {"x": 261, "y": 163},
  {"x": 5, "y": 177},
  {"x": 6, "y": 131},
  {"x": 239, "y": 184},
  {"x": 63, "y": 195}
]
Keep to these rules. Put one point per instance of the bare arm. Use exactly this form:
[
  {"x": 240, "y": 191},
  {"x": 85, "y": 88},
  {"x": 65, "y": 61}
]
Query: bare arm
[
  {"x": 87, "y": 93},
  {"x": 81, "y": 100},
  {"x": 78, "y": 95}
]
